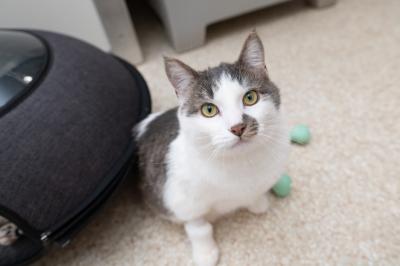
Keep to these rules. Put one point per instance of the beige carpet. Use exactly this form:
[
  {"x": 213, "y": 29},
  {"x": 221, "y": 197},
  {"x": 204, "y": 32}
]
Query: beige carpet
[{"x": 339, "y": 72}]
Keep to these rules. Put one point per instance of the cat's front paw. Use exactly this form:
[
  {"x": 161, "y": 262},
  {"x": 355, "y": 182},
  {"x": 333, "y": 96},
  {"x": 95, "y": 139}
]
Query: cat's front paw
[
  {"x": 206, "y": 255},
  {"x": 259, "y": 206},
  {"x": 204, "y": 249}
]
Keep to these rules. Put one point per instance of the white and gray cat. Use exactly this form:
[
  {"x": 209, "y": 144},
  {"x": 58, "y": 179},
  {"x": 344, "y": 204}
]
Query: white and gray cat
[
  {"x": 8, "y": 232},
  {"x": 221, "y": 150}
]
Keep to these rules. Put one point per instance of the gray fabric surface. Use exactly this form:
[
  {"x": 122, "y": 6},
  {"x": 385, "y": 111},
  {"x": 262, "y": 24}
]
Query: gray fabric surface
[{"x": 57, "y": 145}]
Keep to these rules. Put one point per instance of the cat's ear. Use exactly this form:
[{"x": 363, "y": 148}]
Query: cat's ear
[
  {"x": 180, "y": 75},
  {"x": 252, "y": 55}
]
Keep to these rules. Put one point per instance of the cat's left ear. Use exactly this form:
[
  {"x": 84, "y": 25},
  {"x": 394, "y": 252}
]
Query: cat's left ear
[{"x": 252, "y": 55}]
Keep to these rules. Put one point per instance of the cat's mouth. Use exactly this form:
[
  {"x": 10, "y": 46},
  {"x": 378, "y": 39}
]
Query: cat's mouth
[
  {"x": 240, "y": 142},
  {"x": 243, "y": 140},
  {"x": 234, "y": 143}
]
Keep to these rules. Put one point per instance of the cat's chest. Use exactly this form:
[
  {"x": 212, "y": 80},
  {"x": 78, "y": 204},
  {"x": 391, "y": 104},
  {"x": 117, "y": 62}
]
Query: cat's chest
[
  {"x": 223, "y": 177},
  {"x": 197, "y": 184},
  {"x": 221, "y": 188},
  {"x": 240, "y": 179}
]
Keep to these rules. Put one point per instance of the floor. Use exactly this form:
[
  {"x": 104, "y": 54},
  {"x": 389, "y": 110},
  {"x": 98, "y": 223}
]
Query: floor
[{"x": 339, "y": 72}]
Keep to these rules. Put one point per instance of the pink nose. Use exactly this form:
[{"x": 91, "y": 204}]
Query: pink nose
[{"x": 238, "y": 129}]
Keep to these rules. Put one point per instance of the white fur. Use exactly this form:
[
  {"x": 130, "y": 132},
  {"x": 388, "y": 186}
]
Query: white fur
[
  {"x": 211, "y": 174},
  {"x": 142, "y": 126}
]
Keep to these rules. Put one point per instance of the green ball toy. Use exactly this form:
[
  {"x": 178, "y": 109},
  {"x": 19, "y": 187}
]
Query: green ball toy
[
  {"x": 300, "y": 134},
  {"x": 283, "y": 187}
]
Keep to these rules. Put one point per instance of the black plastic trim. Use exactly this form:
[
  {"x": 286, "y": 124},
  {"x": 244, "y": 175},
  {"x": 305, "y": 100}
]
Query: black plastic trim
[{"x": 32, "y": 259}]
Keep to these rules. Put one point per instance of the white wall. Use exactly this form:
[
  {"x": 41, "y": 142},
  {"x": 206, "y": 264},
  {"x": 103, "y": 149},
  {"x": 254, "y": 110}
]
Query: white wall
[{"x": 78, "y": 18}]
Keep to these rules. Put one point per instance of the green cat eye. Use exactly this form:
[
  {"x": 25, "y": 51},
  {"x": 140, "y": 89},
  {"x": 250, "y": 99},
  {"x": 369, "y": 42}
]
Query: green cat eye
[
  {"x": 209, "y": 110},
  {"x": 250, "y": 98}
]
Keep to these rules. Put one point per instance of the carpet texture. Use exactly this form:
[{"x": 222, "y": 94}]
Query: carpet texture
[{"x": 339, "y": 72}]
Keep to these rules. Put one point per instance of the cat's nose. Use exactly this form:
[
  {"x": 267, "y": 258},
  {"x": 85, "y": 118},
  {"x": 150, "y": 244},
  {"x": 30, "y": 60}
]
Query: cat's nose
[{"x": 238, "y": 129}]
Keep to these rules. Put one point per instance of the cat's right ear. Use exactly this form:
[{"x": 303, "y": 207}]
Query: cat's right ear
[{"x": 181, "y": 76}]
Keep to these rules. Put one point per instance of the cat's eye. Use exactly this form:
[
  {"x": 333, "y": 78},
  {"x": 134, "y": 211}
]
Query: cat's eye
[
  {"x": 209, "y": 110},
  {"x": 250, "y": 98}
]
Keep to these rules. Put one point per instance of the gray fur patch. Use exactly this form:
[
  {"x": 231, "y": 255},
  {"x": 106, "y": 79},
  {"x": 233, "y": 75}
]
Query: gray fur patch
[
  {"x": 153, "y": 146},
  {"x": 203, "y": 88},
  {"x": 257, "y": 80},
  {"x": 251, "y": 126},
  {"x": 201, "y": 93}
]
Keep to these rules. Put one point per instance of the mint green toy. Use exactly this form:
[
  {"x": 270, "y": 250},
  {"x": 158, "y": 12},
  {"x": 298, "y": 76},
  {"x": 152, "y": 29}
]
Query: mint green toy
[
  {"x": 300, "y": 134},
  {"x": 283, "y": 187}
]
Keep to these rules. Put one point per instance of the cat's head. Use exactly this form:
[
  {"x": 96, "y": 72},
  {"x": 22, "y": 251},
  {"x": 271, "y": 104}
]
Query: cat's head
[{"x": 228, "y": 106}]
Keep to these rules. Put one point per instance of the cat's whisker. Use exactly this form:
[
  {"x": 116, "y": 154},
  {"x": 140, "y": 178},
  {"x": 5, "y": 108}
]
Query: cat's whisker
[
  {"x": 273, "y": 139},
  {"x": 269, "y": 142}
]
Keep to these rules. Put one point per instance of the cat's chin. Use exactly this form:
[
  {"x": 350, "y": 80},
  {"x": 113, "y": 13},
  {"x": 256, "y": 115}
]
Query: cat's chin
[{"x": 241, "y": 145}]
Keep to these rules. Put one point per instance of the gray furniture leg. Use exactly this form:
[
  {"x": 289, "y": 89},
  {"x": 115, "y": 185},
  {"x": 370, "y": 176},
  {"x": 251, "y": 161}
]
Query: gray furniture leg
[
  {"x": 184, "y": 20},
  {"x": 321, "y": 3},
  {"x": 185, "y": 36},
  {"x": 119, "y": 29}
]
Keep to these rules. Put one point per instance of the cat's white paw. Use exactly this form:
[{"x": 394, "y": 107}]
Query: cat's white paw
[
  {"x": 261, "y": 205},
  {"x": 204, "y": 249},
  {"x": 206, "y": 255}
]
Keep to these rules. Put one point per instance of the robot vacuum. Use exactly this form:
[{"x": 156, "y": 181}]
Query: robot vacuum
[{"x": 66, "y": 114}]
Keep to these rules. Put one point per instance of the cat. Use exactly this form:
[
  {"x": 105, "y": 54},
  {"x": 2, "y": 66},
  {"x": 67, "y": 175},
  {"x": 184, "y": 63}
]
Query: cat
[
  {"x": 8, "y": 232},
  {"x": 221, "y": 149}
]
